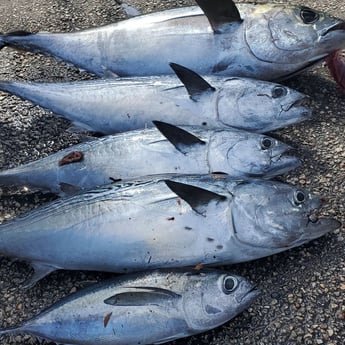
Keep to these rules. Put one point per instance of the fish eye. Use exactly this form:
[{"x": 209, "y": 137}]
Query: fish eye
[
  {"x": 299, "y": 197},
  {"x": 266, "y": 143},
  {"x": 279, "y": 91},
  {"x": 309, "y": 16},
  {"x": 229, "y": 284}
]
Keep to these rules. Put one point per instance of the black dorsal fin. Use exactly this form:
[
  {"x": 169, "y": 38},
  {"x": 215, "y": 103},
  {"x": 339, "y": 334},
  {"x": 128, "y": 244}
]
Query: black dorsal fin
[
  {"x": 180, "y": 138},
  {"x": 193, "y": 82},
  {"x": 220, "y": 12},
  {"x": 19, "y": 33},
  {"x": 197, "y": 198}
]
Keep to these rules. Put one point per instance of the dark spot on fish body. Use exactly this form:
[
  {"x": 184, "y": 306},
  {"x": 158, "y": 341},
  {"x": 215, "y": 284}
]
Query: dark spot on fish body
[
  {"x": 187, "y": 228},
  {"x": 171, "y": 218},
  {"x": 114, "y": 180},
  {"x": 220, "y": 67},
  {"x": 209, "y": 239},
  {"x": 204, "y": 123},
  {"x": 72, "y": 157},
  {"x": 219, "y": 247},
  {"x": 249, "y": 68}
]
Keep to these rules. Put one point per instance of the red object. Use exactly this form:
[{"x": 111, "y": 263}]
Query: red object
[{"x": 336, "y": 65}]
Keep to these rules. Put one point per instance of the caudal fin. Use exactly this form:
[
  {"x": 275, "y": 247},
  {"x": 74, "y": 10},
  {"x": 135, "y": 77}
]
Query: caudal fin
[
  {"x": 10, "y": 330},
  {"x": 2, "y": 41},
  {"x": 9, "y": 38}
]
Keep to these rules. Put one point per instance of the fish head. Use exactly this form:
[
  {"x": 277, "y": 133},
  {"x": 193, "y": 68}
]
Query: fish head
[
  {"x": 245, "y": 154},
  {"x": 298, "y": 35},
  {"x": 214, "y": 297},
  {"x": 260, "y": 106},
  {"x": 270, "y": 216}
]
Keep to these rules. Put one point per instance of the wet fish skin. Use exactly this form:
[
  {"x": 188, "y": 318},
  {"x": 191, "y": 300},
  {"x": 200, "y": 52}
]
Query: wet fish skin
[
  {"x": 145, "y": 308},
  {"x": 295, "y": 38},
  {"x": 169, "y": 222},
  {"x": 138, "y": 153},
  {"x": 115, "y": 105}
]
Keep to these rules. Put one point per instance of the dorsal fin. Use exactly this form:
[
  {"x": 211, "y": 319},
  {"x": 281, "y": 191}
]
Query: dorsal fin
[
  {"x": 180, "y": 138},
  {"x": 193, "y": 82},
  {"x": 19, "y": 33},
  {"x": 220, "y": 12},
  {"x": 197, "y": 198},
  {"x": 141, "y": 296}
]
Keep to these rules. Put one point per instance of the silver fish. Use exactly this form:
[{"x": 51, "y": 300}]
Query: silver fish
[
  {"x": 169, "y": 149},
  {"x": 164, "y": 222},
  {"x": 146, "y": 308},
  {"x": 264, "y": 41},
  {"x": 113, "y": 105}
]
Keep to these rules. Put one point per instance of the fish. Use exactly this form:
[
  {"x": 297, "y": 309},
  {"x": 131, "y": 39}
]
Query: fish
[
  {"x": 143, "y": 308},
  {"x": 166, "y": 149},
  {"x": 164, "y": 222},
  {"x": 262, "y": 41},
  {"x": 121, "y": 104}
]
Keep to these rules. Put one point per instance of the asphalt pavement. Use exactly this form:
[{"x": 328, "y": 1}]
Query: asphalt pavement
[{"x": 303, "y": 289}]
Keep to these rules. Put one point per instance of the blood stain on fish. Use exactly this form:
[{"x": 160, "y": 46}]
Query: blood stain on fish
[
  {"x": 106, "y": 319},
  {"x": 72, "y": 157}
]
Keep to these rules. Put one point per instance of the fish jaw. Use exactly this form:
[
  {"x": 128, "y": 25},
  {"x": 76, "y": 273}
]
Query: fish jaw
[
  {"x": 318, "y": 228},
  {"x": 297, "y": 111},
  {"x": 282, "y": 164}
]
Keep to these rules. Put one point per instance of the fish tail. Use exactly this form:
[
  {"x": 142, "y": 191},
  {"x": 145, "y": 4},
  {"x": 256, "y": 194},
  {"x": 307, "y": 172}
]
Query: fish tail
[
  {"x": 2, "y": 40},
  {"x": 11, "y": 178},
  {"x": 9, "y": 39},
  {"x": 10, "y": 330}
]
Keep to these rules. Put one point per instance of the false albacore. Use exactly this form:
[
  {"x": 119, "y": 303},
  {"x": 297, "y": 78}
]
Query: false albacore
[
  {"x": 164, "y": 222},
  {"x": 169, "y": 149},
  {"x": 114, "y": 105},
  {"x": 264, "y": 41},
  {"x": 146, "y": 308}
]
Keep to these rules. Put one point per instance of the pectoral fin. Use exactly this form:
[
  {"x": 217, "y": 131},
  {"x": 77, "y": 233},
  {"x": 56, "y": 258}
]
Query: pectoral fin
[
  {"x": 181, "y": 139},
  {"x": 197, "y": 198},
  {"x": 193, "y": 82},
  {"x": 220, "y": 13},
  {"x": 40, "y": 271},
  {"x": 141, "y": 296}
]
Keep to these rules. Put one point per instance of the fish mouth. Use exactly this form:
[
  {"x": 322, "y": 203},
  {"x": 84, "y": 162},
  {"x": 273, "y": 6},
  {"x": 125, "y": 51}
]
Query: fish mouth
[
  {"x": 283, "y": 163},
  {"x": 317, "y": 227},
  {"x": 302, "y": 105},
  {"x": 339, "y": 26},
  {"x": 303, "y": 102},
  {"x": 249, "y": 297}
]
